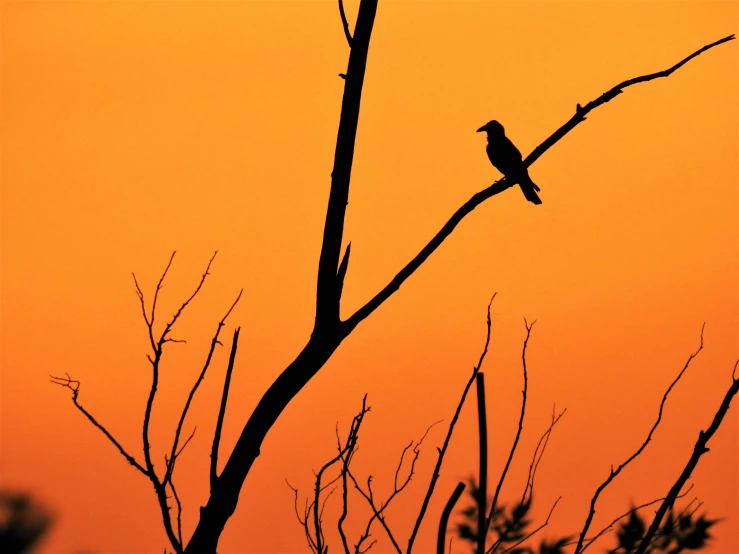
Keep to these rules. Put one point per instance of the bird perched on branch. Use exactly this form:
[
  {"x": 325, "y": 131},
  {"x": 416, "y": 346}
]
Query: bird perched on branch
[{"x": 506, "y": 158}]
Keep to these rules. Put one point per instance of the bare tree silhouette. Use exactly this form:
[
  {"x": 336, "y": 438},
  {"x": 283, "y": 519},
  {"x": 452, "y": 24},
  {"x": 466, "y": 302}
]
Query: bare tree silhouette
[{"x": 329, "y": 329}]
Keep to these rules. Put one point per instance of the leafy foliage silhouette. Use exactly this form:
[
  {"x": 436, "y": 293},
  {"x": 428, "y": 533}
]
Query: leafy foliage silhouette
[
  {"x": 23, "y": 522},
  {"x": 678, "y": 533},
  {"x": 510, "y": 527}
]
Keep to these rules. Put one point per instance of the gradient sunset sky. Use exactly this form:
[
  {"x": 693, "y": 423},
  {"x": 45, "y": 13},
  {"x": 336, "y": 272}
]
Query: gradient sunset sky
[{"x": 133, "y": 129}]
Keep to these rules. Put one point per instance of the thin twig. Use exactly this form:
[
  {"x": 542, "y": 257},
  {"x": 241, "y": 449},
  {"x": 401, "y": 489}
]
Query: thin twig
[
  {"x": 614, "y": 473},
  {"x": 537, "y": 457},
  {"x": 442, "y": 451},
  {"x": 74, "y": 386},
  {"x": 304, "y": 520},
  {"x": 520, "y": 425},
  {"x": 150, "y": 320},
  {"x": 345, "y": 23},
  {"x": 195, "y": 386},
  {"x": 535, "y": 461}
]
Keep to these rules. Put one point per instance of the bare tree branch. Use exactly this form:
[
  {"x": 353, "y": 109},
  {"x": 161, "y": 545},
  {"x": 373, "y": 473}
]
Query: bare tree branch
[
  {"x": 445, "y": 517},
  {"x": 327, "y": 293},
  {"x": 609, "y": 527},
  {"x": 158, "y": 349},
  {"x": 442, "y": 451},
  {"x": 482, "y": 495},
  {"x": 304, "y": 520},
  {"x": 520, "y": 424},
  {"x": 74, "y": 386},
  {"x": 222, "y": 410},
  {"x": 504, "y": 184},
  {"x": 618, "y": 470},
  {"x": 535, "y": 460},
  {"x": 150, "y": 320},
  {"x": 341, "y": 274},
  {"x": 345, "y": 23},
  {"x": 377, "y": 511},
  {"x": 398, "y": 486},
  {"x": 214, "y": 341},
  {"x": 700, "y": 448},
  {"x": 316, "y": 541},
  {"x": 176, "y": 496}
]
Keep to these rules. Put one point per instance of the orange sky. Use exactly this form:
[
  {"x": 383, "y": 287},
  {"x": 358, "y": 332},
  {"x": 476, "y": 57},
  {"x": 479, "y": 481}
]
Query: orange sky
[{"x": 134, "y": 129}]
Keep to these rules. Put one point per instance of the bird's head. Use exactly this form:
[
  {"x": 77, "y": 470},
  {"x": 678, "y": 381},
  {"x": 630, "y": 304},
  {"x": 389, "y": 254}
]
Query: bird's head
[{"x": 492, "y": 128}]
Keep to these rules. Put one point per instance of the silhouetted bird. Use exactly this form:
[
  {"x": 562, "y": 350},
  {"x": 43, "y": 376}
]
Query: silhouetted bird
[{"x": 506, "y": 158}]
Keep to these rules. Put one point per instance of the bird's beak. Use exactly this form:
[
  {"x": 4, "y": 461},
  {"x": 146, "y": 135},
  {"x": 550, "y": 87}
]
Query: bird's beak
[{"x": 481, "y": 129}]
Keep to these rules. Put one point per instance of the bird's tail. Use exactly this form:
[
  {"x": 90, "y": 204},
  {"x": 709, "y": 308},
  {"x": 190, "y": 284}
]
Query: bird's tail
[{"x": 529, "y": 189}]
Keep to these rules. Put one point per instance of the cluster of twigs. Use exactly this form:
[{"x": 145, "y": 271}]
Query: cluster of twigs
[
  {"x": 312, "y": 514},
  {"x": 489, "y": 526},
  {"x": 164, "y": 484}
]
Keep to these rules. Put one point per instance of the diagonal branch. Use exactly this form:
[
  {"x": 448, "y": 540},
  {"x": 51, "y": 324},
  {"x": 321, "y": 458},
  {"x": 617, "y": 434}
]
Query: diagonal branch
[
  {"x": 633, "y": 510},
  {"x": 222, "y": 410},
  {"x": 504, "y": 184},
  {"x": 442, "y": 451},
  {"x": 698, "y": 451},
  {"x": 148, "y": 471},
  {"x": 74, "y": 386},
  {"x": 631, "y": 458}
]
